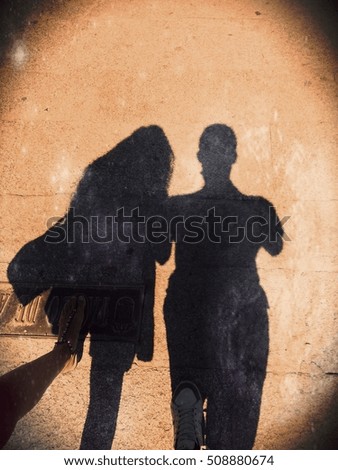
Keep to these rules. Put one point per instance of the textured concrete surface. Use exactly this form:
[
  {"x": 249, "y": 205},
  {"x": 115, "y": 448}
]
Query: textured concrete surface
[{"x": 79, "y": 78}]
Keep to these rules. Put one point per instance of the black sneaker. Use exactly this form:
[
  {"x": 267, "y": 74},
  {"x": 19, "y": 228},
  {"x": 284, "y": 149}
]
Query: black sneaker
[{"x": 187, "y": 412}]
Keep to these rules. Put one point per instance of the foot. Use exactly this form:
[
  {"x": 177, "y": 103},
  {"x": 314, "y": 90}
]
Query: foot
[
  {"x": 70, "y": 323},
  {"x": 187, "y": 412}
]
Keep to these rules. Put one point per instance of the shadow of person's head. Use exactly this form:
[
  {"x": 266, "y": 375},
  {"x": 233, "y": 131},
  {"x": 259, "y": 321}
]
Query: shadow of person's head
[
  {"x": 139, "y": 166},
  {"x": 217, "y": 153},
  {"x": 151, "y": 161}
]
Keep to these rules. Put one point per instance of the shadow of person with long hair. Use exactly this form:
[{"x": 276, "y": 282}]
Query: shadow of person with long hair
[
  {"x": 215, "y": 309},
  {"x": 103, "y": 242}
]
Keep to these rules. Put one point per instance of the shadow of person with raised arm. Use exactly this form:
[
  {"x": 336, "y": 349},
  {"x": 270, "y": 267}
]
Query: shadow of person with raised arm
[
  {"x": 215, "y": 309},
  {"x": 102, "y": 243}
]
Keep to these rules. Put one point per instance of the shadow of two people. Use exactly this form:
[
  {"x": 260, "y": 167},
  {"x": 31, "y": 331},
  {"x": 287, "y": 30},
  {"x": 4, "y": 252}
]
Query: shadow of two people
[{"x": 215, "y": 310}]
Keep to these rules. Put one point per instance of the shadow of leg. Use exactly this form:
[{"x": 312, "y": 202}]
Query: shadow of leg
[
  {"x": 110, "y": 362},
  {"x": 233, "y": 409}
]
